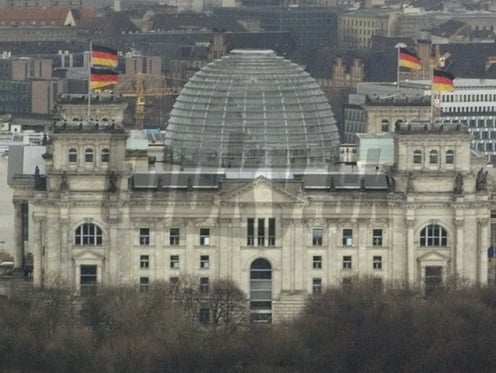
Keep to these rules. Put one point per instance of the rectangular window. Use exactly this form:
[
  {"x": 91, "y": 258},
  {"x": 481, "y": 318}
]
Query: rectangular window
[
  {"x": 317, "y": 236},
  {"x": 204, "y": 315},
  {"x": 347, "y": 262},
  {"x": 377, "y": 284},
  {"x": 316, "y": 286},
  {"x": 174, "y": 261},
  {"x": 174, "y": 236},
  {"x": 261, "y": 232},
  {"x": 72, "y": 156},
  {"x": 88, "y": 279},
  {"x": 377, "y": 262},
  {"x": 347, "y": 282},
  {"x": 377, "y": 237},
  {"x": 347, "y": 237},
  {"x": 144, "y": 283},
  {"x": 205, "y": 236},
  {"x": 433, "y": 279},
  {"x": 250, "y": 232},
  {"x": 204, "y": 262},
  {"x": 144, "y": 236},
  {"x": 105, "y": 155},
  {"x": 144, "y": 261},
  {"x": 272, "y": 232},
  {"x": 174, "y": 283},
  {"x": 204, "y": 283},
  {"x": 317, "y": 262}
]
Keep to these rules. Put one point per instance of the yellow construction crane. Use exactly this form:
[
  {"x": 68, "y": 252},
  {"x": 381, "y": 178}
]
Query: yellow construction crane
[{"x": 140, "y": 92}]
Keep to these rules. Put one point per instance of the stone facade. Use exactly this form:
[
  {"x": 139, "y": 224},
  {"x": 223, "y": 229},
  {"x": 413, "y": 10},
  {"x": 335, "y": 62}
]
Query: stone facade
[{"x": 105, "y": 221}]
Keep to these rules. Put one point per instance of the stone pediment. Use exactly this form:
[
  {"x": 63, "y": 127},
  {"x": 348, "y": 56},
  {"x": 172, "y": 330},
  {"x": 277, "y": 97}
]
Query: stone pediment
[
  {"x": 88, "y": 255},
  {"x": 434, "y": 257},
  {"x": 260, "y": 190}
]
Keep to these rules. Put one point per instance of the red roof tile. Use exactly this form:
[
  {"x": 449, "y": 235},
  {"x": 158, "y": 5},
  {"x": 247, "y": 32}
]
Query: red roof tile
[{"x": 50, "y": 14}]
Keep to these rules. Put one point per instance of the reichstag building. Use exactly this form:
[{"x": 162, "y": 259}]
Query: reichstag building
[{"x": 247, "y": 185}]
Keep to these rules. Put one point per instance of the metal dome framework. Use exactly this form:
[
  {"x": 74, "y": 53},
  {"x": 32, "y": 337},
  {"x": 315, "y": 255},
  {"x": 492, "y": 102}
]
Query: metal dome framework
[{"x": 252, "y": 109}]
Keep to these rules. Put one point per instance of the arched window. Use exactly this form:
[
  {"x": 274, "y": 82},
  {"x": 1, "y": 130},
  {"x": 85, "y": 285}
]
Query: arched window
[
  {"x": 261, "y": 291},
  {"x": 105, "y": 155},
  {"x": 450, "y": 157},
  {"x": 88, "y": 234},
  {"x": 433, "y": 235},
  {"x": 72, "y": 155},
  {"x": 385, "y": 125},
  {"x": 433, "y": 157},
  {"x": 88, "y": 155},
  {"x": 417, "y": 157}
]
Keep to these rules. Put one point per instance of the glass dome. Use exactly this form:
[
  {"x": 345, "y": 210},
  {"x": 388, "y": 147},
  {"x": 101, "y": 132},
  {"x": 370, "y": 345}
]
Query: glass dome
[{"x": 252, "y": 109}]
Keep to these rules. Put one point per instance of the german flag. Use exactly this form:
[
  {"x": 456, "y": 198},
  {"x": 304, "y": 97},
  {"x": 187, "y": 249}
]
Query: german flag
[
  {"x": 103, "y": 78},
  {"x": 103, "y": 56},
  {"x": 409, "y": 60},
  {"x": 442, "y": 81}
]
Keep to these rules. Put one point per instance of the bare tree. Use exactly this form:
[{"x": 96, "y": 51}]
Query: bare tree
[{"x": 227, "y": 303}]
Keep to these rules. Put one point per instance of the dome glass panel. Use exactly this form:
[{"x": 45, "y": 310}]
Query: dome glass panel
[{"x": 252, "y": 108}]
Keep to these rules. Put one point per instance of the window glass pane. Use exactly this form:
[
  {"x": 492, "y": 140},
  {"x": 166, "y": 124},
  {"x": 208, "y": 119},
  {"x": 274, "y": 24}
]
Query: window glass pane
[
  {"x": 174, "y": 236},
  {"x": 72, "y": 155},
  {"x": 88, "y": 155},
  {"x": 317, "y": 237},
  {"x": 105, "y": 155}
]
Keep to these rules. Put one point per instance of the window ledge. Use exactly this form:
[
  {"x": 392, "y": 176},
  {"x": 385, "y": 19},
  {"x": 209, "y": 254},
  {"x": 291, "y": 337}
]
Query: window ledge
[{"x": 276, "y": 247}]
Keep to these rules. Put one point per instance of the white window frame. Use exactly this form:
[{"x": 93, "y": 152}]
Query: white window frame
[
  {"x": 316, "y": 239},
  {"x": 377, "y": 262},
  {"x": 204, "y": 236},
  {"x": 347, "y": 262},
  {"x": 204, "y": 261},
  {"x": 174, "y": 261},
  {"x": 144, "y": 261}
]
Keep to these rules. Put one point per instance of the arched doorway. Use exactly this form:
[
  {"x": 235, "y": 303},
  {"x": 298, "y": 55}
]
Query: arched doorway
[{"x": 261, "y": 291}]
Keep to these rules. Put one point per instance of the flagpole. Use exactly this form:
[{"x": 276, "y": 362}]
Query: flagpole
[
  {"x": 433, "y": 98},
  {"x": 89, "y": 80},
  {"x": 398, "y": 69},
  {"x": 398, "y": 54}
]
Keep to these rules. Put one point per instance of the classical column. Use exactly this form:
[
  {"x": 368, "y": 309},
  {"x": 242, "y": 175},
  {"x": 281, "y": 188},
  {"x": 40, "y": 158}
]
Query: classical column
[
  {"x": 410, "y": 257},
  {"x": 482, "y": 250},
  {"x": 459, "y": 251}
]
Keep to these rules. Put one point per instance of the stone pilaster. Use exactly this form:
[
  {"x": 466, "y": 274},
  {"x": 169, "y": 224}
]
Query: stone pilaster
[
  {"x": 483, "y": 244},
  {"x": 224, "y": 248},
  {"x": 288, "y": 258},
  {"x": 410, "y": 245},
  {"x": 18, "y": 236},
  {"x": 297, "y": 231},
  {"x": 363, "y": 265},
  {"x": 459, "y": 251},
  {"x": 36, "y": 246}
]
